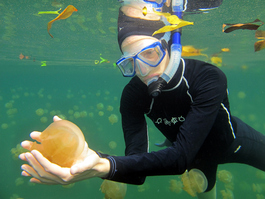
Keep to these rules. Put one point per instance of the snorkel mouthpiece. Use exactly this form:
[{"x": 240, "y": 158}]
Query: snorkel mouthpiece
[{"x": 155, "y": 86}]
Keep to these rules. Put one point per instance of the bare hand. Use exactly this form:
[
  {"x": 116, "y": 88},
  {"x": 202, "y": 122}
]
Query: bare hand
[{"x": 43, "y": 171}]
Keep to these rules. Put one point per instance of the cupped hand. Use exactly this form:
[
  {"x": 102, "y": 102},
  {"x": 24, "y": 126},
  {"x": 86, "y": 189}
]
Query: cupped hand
[{"x": 41, "y": 170}]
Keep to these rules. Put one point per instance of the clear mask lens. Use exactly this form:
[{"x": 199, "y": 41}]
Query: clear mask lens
[
  {"x": 127, "y": 67},
  {"x": 152, "y": 56}
]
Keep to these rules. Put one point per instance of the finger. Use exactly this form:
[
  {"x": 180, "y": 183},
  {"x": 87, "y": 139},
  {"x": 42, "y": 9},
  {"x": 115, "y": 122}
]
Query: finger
[
  {"x": 36, "y": 171},
  {"x": 35, "y": 135},
  {"x": 24, "y": 173},
  {"x": 56, "y": 118},
  {"x": 26, "y": 144},
  {"x": 22, "y": 156},
  {"x": 52, "y": 170},
  {"x": 35, "y": 180}
]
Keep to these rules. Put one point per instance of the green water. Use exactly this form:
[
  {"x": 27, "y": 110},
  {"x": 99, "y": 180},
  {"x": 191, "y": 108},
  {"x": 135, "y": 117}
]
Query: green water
[{"x": 72, "y": 82}]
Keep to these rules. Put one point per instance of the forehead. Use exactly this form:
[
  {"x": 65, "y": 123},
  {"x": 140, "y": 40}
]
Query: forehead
[{"x": 135, "y": 42}]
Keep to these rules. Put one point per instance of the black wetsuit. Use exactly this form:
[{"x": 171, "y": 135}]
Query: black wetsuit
[{"x": 193, "y": 114}]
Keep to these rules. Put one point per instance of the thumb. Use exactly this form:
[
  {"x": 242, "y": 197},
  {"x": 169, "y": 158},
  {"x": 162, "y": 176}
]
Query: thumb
[{"x": 56, "y": 118}]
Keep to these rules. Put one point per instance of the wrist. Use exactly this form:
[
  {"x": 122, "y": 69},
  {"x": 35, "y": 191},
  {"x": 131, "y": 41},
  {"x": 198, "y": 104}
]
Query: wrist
[{"x": 103, "y": 168}]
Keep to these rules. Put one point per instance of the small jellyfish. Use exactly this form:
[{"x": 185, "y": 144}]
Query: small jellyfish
[
  {"x": 110, "y": 108},
  {"x": 241, "y": 94},
  {"x": 112, "y": 144},
  {"x": 227, "y": 194},
  {"x": 4, "y": 126},
  {"x": 260, "y": 174},
  {"x": 70, "y": 112},
  {"x": 77, "y": 114},
  {"x": 39, "y": 112},
  {"x": 100, "y": 106},
  {"x": 100, "y": 113},
  {"x": 225, "y": 176},
  {"x": 194, "y": 182},
  {"x": 43, "y": 119},
  {"x": 113, "y": 190},
  {"x": 19, "y": 181},
  {"x": 175, "y": 186},
  {"x": 75, "y": 107},
  {"x": 258, "y": 188},
  {"x": 91, "y": 114},
  {"x": 83, "y": 114},
  {"x": 113, "y": 118}
]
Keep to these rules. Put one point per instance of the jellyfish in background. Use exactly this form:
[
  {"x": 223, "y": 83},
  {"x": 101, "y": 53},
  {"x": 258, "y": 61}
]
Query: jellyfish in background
[
  {"x": 112, "y": 145},
  {"x": 258, "y": 188},
  {"x": 19, "y": 181},
  {"x": 39, "y": 112},
  {"x": 62, "y": 142},
  {"x": 17, "y": 150},
  {"x": 260, "y": 196},
  {"x": 113, "y": 118},
  {"x": 175, "y": 186},
  {"x": 260, "y": 174},
  {"x": 225, "y": 176},
  {"x": 194, "y": 182},
  {"x": 227, "y": 194},
  {"x": 100, "y": 106},
  {"x": 113, "y": 190}
]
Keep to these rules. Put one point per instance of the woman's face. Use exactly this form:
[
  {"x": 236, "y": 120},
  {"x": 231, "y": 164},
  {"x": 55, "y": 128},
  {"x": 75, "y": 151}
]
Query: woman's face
[{"x": 131, "y": 45}]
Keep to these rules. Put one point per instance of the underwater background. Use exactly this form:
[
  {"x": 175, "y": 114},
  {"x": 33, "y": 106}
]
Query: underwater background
[{"x": 63, "y": 75}]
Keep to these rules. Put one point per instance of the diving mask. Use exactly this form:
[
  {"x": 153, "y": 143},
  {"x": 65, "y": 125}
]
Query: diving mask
[{"x": 149, "y": 56}]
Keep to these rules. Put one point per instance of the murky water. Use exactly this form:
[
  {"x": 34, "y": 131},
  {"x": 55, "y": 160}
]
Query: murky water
[{"x": 72, "y": 84}]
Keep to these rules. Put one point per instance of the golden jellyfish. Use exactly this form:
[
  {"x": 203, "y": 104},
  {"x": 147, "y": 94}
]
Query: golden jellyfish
[
  {"x": 175, "y": 186},
  {"x": 100, "y": 106},
  {"x": 241, "y": 95},
  {"x": 4, "y": 126},
  {"x": 113, "y": 118},
  {"x": 225, "y": 176},
  {"x": 83, "y": 114},
  {"x": 62, "y": 142},
  {"x": 43, "y": 119},
  {"x": 143, "y": 187},
  {"x": 91, "y": 114},
  {"x": 39, "y": 112},
  {"x": 77, "y": 114},
  {"x": 227, "y": 194},
  {"x": 19, "y": 181},
  {"x": 113, "y": 190},
  {"x": 260, "y": 174},
  {"x": 100, "y": 113},
  {"x": 17, "y": 151},
  {"x": 260, "y": 196},
  {"x": 194, "y": 182},
  {"x": 258, "y": 188},
  {"x": 110, "y": 108},
  {"x": 112, "y": 145}
]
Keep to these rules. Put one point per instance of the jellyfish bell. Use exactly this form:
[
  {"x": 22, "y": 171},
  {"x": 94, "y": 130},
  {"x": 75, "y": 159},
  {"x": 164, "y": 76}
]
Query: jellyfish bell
[
  {"x": 113, "y": 190},
  {"x": 62, "y": 142},
  {"x": 113, "y": 118},
  {"x": 194, "y": 182}
]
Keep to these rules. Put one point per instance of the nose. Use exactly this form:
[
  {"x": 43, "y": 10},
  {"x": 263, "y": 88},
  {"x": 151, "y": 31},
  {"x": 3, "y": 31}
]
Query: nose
[{"x": 142, "y": 69}]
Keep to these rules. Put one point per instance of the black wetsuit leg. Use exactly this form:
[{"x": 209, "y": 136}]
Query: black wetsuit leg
[{"x": 247, "y": 148}]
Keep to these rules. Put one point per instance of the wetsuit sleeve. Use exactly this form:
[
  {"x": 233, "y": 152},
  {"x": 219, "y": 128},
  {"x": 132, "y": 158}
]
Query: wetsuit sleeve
[{"x": 208, "y": 92}]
